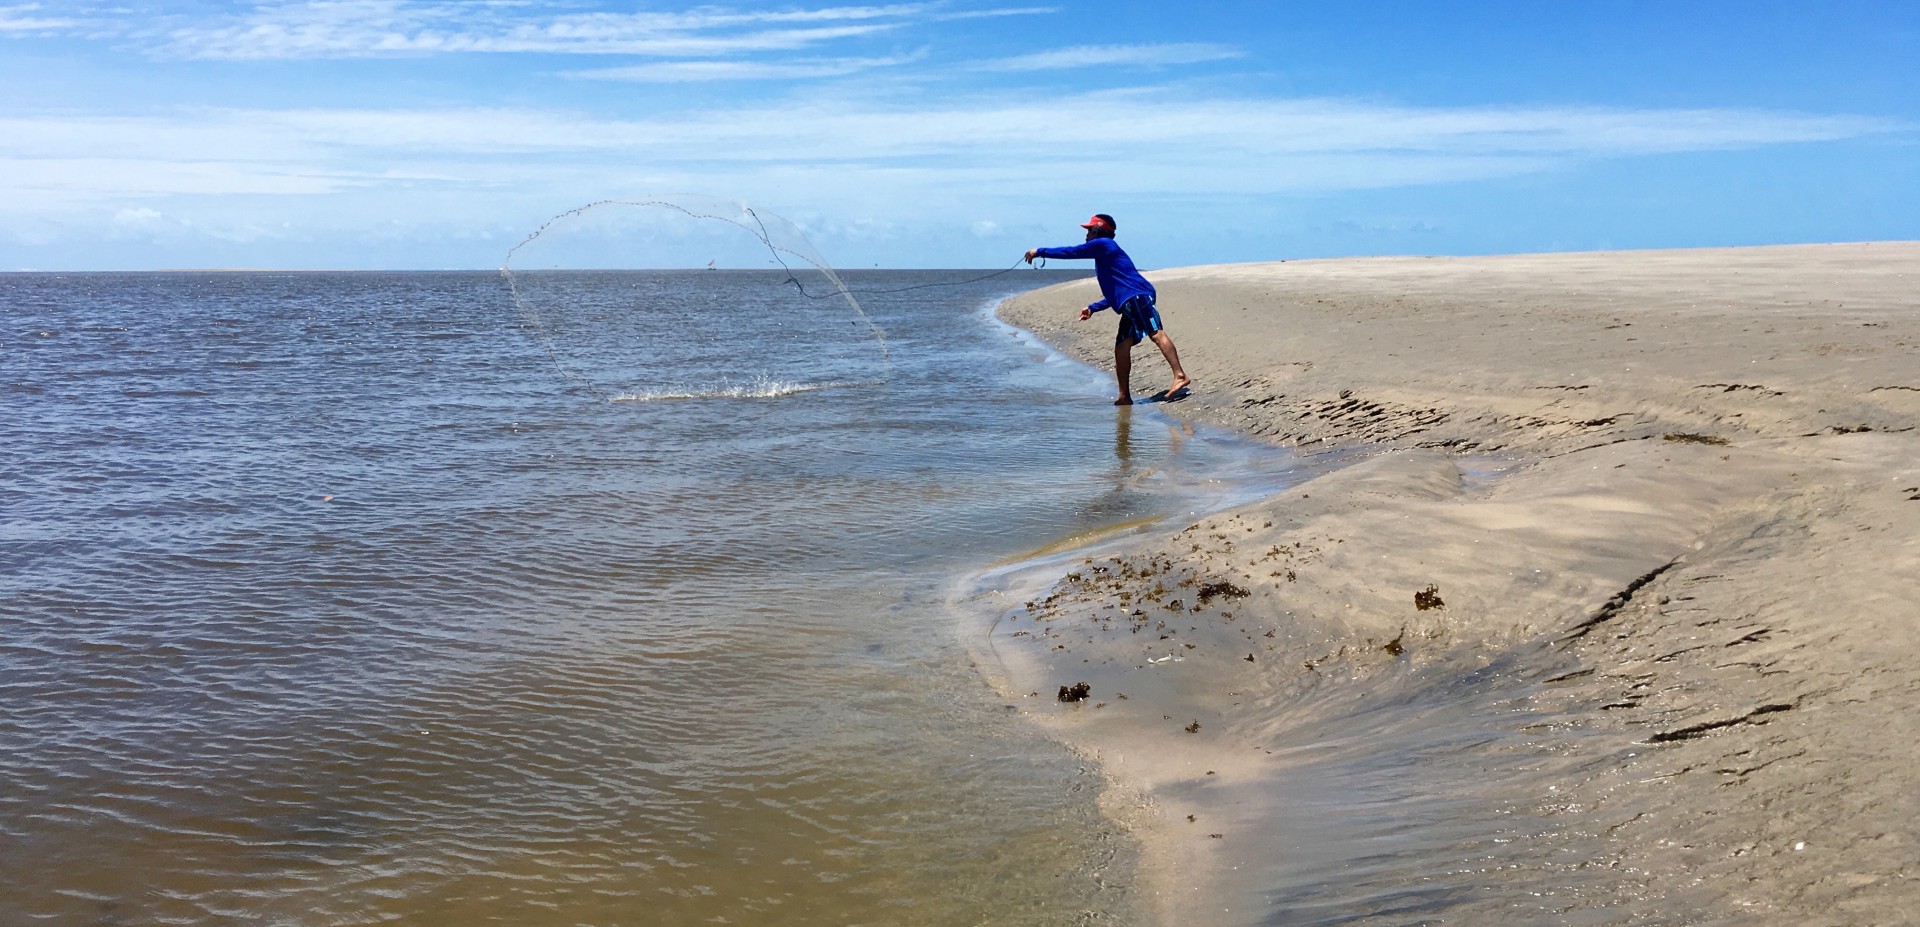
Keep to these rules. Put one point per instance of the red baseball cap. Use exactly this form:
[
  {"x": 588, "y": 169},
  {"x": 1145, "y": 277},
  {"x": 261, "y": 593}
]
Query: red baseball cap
[{"x": 1100, "y": 221}]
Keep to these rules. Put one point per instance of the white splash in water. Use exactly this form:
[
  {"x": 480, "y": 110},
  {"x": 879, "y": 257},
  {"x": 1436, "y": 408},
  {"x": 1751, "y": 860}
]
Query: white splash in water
[{"x": 762, "y": 388}]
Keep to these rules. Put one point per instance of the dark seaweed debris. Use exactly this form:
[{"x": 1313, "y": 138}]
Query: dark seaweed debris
[
  {"x": 1221, "y": 588},
  {"x": 1428, "y": 598},
  {"x": 1075, "y": 692},
  {"x": 1686, "y": 438}
]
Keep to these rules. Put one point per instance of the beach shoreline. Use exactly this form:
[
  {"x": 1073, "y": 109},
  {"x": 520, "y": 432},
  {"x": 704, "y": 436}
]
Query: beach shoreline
[{"x": 1612, "y": 619}]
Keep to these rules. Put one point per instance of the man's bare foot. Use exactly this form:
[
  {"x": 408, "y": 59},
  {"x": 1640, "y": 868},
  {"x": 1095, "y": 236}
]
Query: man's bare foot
[
  {"x": 1179, "y": 383},
  {"x": 1123, "y": 401}
]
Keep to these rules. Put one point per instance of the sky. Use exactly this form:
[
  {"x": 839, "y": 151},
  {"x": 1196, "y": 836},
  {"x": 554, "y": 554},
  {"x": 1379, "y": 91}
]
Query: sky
[{"x": 427, "y": 134}]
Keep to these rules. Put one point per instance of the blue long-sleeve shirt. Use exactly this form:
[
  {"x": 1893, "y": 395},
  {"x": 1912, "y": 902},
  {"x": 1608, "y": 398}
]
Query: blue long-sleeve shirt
[{"x": 1119, "y": 281}]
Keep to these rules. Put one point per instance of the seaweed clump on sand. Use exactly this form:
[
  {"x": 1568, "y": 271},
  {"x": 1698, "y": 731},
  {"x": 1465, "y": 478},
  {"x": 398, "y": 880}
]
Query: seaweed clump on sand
[
  {"x": 1076, "y": 692},
  {"x": 1428, "y": 598},
  {"x": 1679, "y": 437},
  {"x": 1222, "y": 588}
]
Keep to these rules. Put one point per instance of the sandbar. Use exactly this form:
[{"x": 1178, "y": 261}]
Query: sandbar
[{"x": 1605, "y": 610}]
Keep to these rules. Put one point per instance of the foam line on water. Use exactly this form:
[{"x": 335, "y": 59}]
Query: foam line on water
[{"x": 758, "y": 389}]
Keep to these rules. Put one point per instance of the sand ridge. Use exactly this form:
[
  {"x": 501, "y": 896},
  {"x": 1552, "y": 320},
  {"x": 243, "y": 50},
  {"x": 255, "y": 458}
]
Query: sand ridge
[{"x": 1664, "y": 509}]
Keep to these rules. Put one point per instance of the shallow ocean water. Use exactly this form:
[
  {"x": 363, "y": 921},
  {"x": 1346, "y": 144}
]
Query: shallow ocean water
[{"x": 340, "y": 598}]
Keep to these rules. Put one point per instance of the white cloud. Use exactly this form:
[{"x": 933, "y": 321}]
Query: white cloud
[
  {"x": 377, "y": 28},
  {"x": 137, "y": 217},
  {"x": 868, "y": 169},
  {"x": 22, "y": 19},
  {"x": 1295, "y": 145},
  {"x": 1088, "y": 56},
  {"x": 663, "y": 72},
  {"x": 995, "y": 13},
  {"x": 109, "y": 179},
  {"x": 144, "y": 224}
]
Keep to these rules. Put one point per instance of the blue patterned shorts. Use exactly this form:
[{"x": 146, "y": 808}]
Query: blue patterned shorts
[{"x": 1138, "y": 319}]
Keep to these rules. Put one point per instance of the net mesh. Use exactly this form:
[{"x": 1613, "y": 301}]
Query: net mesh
[{"x": 618, "y": 294}]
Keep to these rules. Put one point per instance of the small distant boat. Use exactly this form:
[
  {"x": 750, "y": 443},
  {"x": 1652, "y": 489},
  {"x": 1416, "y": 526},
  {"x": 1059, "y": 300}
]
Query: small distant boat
[{"x": 713, "y": 264}]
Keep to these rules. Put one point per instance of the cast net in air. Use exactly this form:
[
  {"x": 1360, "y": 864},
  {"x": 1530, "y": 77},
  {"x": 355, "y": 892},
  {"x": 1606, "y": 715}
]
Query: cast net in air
[{"x": 682, "y": 297}]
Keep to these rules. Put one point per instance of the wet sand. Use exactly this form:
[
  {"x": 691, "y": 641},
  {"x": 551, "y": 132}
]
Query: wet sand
[{"x": 1609, "y": 612}]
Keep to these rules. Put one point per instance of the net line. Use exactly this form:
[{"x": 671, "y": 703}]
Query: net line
[{"x": 1040, "y": 264}]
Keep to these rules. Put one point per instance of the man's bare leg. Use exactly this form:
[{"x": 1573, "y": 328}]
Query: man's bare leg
[
  {"x": 1123, "y": 371},
  {"x": 1180, "y": 379}
]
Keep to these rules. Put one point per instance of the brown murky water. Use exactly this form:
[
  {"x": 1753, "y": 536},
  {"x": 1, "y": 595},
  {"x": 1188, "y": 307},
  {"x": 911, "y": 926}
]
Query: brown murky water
[{"x": 323, "y": 600}]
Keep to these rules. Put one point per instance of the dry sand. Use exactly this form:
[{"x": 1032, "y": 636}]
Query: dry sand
[{"x": 1666, "y": 506}]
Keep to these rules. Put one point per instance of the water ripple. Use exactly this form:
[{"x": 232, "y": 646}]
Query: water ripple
[{"x": 325, "y": 599}]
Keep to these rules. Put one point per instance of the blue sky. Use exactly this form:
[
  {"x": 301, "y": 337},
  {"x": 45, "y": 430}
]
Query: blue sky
[{"x": 434, "y": 134}]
